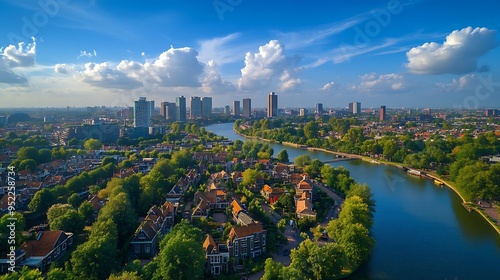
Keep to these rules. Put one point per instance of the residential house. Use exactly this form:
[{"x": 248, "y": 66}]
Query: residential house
[
  {"x": 217, "y": 256},
  {"x": 304, "y": 208},
  {"x": 48, "y": 247},
  {"x": 304, "y": 186},
  {"x": 158, "y": 221},
  {"x": 247, "y": 241},
  {"x": 271, "y": 194}
]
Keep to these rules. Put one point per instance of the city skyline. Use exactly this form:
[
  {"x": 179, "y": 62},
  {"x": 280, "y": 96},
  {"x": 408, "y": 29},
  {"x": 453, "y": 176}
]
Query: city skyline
[{"x": 397, "y": 53}]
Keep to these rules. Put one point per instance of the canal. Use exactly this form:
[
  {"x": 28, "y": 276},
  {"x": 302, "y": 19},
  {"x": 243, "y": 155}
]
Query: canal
[{"x": 421, "y": 230}]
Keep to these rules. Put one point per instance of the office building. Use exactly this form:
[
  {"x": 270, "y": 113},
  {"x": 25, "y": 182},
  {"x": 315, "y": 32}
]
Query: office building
[
  {"x": 272, "y": 105},
  {"x": 195, "y": 107},
  {"x": 151, "y": 108},
  {"x": 382, "y": 115},
  {"x": 163, "y": 106},
  {"x": 491, "y": 112},
  {"x": 206, "y": 107},
  {"x": 302, "y": 112},
  {"x": 170, "y": 111},
  {"x": 142, "y": 112},
  {"x": 236, "y": 108},
  {"x": 319, "y": 108},
  {"x": 247, "y": 107},
  {"x": 355, "y": 107},
  {"x": 180, "y": 103},
  {"x": 227, "y": 110}
]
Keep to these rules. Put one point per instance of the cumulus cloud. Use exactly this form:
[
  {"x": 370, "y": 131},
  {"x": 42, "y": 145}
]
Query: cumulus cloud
[
  {"x": 11, "y": 57},
  {"x": 102, "y": 75},
  {"x": 176, "y": 67},
  {"x": 87, "y": 54},
  {"x": 212, "y": 82},
  {"x": 269, "y": 63},
  {"x": 457, "y": 55},
  {"x": 329, "y": 86},
  {"x": 380, "y": 83},
  {"x": 462, "y": 83},
  {"x": 62, "y": 68}
]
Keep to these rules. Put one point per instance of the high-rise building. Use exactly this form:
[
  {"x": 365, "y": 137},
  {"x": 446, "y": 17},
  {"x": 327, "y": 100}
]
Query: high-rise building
[
  {"x": 163, "y": 106},
  {"x": 247, "y": 107},
  {"x": 206, "y": 107},
  {"x": 355, "y": 107},
  {"x": 427, "y": 111},
  {"x": 236, "y": 108},
  {"x": 195, "y": 105},
  {"x": 180, "y": 103},
  {"x": 302, "y": 112},
  {"x": 272, "y": 105},
  {"x": 227, "y": 110},
  {"x": 170, "y": 111},
  {"x": 151, "y": 108},
  {"x": 382, "y": 113},
  {"x": 319, "y": 108},
  {"x": 142, "y": 112},
  {"x": 491, "y": 112}
]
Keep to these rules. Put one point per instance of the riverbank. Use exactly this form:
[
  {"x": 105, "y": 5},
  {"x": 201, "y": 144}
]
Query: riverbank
[{"x": 489, "y": 216}]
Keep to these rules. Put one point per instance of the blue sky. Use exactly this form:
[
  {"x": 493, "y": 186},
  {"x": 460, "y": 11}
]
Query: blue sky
[{"x": 396, "y": 53}]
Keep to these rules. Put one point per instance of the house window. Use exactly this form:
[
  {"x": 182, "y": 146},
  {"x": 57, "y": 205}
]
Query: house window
[
  {"x": 236, "y": 247},
  {"x": 58, "y": 250},
  {"x": 137, "y": 249},
  {"x": 147, "y": 248},
  {"x": 263, "y": 240},
  {"x": 251, "y": 243},
  {"x": 64, "y": 246},
  {"x": 142, "y": 235}
]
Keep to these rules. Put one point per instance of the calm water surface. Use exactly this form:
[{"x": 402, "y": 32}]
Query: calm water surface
[{"x": 421, "y": 230}]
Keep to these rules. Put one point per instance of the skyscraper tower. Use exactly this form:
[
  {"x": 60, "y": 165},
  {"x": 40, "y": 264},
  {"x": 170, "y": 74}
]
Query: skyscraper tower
[
  {"x": 195, "y": 105},
  {"x": 382, "y": 116},
  {"x": 272, "y": 105},
  {"x": 319, "y": 108},
  {"x": 236, "y": 108},
  {"x": 142, "y": 112},
  {"x": 206, "y": 107},
  {"x": 180, "y": 103},
  {"x": 247, "y": 108}
]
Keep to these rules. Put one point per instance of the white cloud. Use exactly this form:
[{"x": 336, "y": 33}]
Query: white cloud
[
  {"x": 457, "y": 55},
  {"x": 385, "y": 83},
  {"x": 16, "y": 57},
  {"x": 462, "y": 83},
  {"x": 269, "y": 63},
  {"x": 102, "y": 75},
  {"x": 212, "y": 82},
  {"x": 329, "y": 86},
  {"x": 87, "y": 54},
  {"x": 62, "y": 68}
]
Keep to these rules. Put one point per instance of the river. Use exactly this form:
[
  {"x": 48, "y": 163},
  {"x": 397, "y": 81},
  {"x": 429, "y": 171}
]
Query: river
[{"x": 421, "y": 230}]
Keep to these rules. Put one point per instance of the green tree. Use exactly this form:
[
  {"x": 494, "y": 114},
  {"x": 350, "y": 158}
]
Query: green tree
[
  {"x": 119, "y": 210},
  {"x": 75, "y": 200},
  {"x": 96, "y": 258},
  {"x": 273, "y": 270},
  {"x": 181, "y": 255},
  {"x": 27, "y": 164},
  {"x": 250, "y": 176},
  {"x": 27, "y": 153},
  {"x": 41, "y": 201},
  {"x": 302, "y": 160},
  {"x": 86, "y": 211},
  {"x": 282, "y": 156},
  {"x": 311, "y": 130},
  {"x": 92, "y": 144}
]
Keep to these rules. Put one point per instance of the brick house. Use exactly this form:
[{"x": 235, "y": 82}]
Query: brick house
[
  {"x": 48, "y": 247},
  {"x": 247, "y": 241},
  {"x": 217, "y": 256}
]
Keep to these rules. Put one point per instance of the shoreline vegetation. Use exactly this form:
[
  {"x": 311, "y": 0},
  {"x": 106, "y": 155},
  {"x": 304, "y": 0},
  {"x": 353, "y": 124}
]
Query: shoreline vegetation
[{"x": 467, "y": 204}]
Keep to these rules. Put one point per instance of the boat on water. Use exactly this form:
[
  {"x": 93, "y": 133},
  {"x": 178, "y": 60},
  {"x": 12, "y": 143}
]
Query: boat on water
[
  {"x": 414, "y": 172},
  {"x": 439, "y": 183}
]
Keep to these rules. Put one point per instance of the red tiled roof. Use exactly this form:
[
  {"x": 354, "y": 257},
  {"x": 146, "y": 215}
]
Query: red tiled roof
[
  {"x": 238, "y": 232},
  {"x": 45, "y": 242}
]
